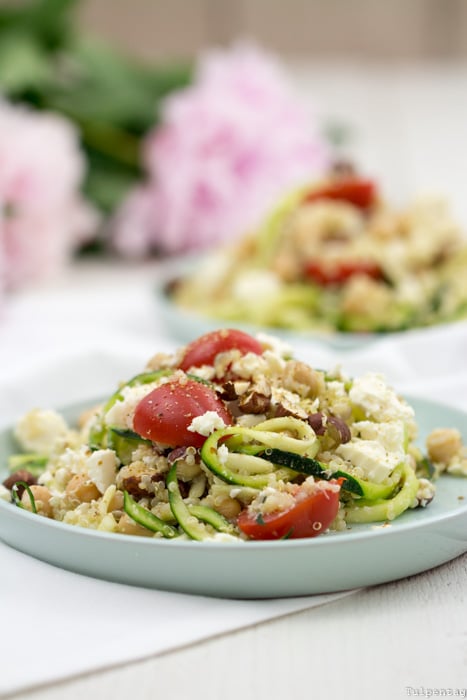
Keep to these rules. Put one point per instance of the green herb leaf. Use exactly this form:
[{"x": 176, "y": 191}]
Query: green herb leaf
[{"x": 16, "y": 498}]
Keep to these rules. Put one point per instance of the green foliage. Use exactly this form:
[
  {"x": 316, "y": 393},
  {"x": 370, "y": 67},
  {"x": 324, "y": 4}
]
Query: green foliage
[{"x": 45, "y": 61}]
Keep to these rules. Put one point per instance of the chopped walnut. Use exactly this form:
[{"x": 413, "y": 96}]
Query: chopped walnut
[
  {"x": 21, "y": 475},
  {"x": 254, "y": 402},
  {"x": 302, "y": 379},
  {"x": 281, "y": 411},
  {"x": 138, "y": 479},
  {"x": 228, "y": 392}
]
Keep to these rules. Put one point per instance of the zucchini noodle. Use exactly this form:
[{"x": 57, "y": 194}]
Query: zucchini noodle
[{"x": 238, "y": 445}]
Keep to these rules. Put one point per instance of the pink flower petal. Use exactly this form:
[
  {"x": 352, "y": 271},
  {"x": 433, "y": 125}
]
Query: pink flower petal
[
  {"x": 228, "y": 146},
  {"x": 42, "y": 216}
]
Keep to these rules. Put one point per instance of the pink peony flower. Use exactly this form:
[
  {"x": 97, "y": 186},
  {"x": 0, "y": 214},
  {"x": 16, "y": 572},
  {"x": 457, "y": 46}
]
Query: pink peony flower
[
  {"x": 227, "y": 147},
  {"x": 42, "y": 215}
]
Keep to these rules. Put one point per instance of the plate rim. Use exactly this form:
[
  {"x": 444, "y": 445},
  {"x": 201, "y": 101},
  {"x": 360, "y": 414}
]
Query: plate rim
[{"x": 252, "y": 569}]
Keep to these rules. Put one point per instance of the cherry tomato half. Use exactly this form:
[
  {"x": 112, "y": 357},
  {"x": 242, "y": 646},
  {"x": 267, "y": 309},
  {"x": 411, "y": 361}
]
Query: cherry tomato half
[
  {"x": 311, "y": 515},
  {"x": 203, "y": 350},
  {"x": 340, "y": 272},
  {"x": 357, "y": 191},
  {"x": 166, "y": 412}
]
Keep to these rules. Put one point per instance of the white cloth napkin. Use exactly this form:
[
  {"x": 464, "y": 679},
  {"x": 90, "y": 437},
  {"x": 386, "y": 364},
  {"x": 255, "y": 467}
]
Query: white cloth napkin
[
  {"x": 56, "y": 624},
  {"x": 59, "y": 350}
]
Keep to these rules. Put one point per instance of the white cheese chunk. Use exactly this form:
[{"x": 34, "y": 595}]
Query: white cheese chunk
[
  {"x": 207, "y": 423},
  {"x": 122, "y": 412},
  {"x": 38, "y": 430},
  {"x": 259, "y": 285},
  {"x": 377, "y": 400},
  {"x": 102, "y": 468},
  {"x": 390, "y": 435},
  {"x": 371, "y": 457},
  {"x": 276, "y": 345}
]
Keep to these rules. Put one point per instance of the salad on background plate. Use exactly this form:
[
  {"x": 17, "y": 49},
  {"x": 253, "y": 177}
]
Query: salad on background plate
[
  {"x": 336, "y": 258},
  {"x": 232, "y": 439}
]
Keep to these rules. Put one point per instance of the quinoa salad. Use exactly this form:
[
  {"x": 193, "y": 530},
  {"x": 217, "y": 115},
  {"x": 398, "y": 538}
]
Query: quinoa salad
[
  {"x": 335, "y": 256},
  {"x": 231, "y": 439}
]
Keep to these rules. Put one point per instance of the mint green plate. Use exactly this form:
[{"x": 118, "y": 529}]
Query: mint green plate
[{"x": 361, "y": 556}]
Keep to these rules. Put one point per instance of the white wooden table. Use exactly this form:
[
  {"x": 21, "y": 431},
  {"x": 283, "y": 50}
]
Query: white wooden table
[
  {"x": 403, "y": 639},
  {"x": 378, "y": 643}
]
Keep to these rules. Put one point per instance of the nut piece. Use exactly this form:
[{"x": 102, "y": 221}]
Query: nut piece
[
  {"x": 443, "y": 444},
  {"x": 138, "y": 479},
  {"x": 281, "y": 411},
  {"x": 317, "y": 421},
  {"x": 229, "y": 392},
  {"x": 21, "y": 475},
  {"x": 338, "y": 430},
  {"x": 333, "y": 427},
  {"x": 302, "y": 379},
  {"x": 254, "y": 402}
]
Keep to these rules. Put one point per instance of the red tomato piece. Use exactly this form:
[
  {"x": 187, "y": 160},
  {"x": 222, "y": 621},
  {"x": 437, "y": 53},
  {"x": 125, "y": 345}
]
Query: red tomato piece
[
  {"x": 165, "y": 414},
  {"x": 341, "y": 272},
  {"x": 203, "y": 350},
  {"x": 359, "y": 192},
  {"x": 311, "y": 515}
]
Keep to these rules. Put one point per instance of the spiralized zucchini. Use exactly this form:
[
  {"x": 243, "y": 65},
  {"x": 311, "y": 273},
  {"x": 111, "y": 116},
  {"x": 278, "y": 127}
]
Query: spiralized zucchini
[
  {"x": 333, "y": 265},
  {"x": 244, "y": 444}
]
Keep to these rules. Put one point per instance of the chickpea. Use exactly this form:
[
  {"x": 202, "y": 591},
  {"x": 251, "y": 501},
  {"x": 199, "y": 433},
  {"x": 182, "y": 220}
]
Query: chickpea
[
  {"x": 287, "y": 266},
  {"x": 228, "y": 507},
  {"x": 127, "y": 526},
  {"x": 443, "y": 444},
  {"x": 42, "y": 498},
  {"x": 117, "y": 502},
  {"x": 186, "y": 471},
  {"x": 81, "y": 489}
]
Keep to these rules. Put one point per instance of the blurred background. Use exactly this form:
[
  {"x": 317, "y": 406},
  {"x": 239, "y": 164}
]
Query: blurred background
[
  {"x": 384, "y": 84},
  {"x": 125, "y": 139},
  {"x": 394, "y": 74},
  {"x": 365, "y": 29}
]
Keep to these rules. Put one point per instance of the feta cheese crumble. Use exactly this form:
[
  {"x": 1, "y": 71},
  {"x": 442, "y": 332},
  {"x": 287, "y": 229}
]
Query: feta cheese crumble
[
  {"x": 207, "y": 423},
  {"x": 371, "y": 457},
  {"x": 377, "y": 400},
  {"x": 102, "y": 468},
  {"x": 38, "y": 430}
]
